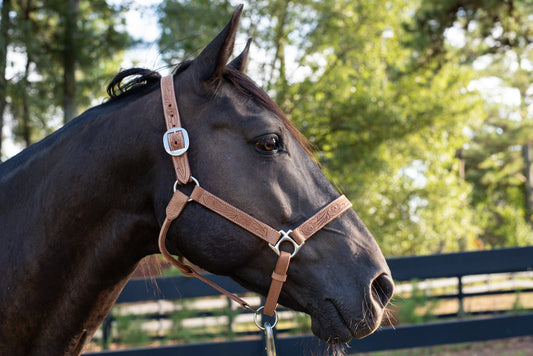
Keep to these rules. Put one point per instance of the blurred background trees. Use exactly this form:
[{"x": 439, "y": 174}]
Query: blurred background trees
[
  {"x": 497, "y": 41},
  {"x": 419, "y": 110},
  {"x": 59, "y": 56}
]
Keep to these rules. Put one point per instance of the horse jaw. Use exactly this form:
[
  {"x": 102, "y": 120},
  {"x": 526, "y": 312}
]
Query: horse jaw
[{"x": 346, "y": 296}]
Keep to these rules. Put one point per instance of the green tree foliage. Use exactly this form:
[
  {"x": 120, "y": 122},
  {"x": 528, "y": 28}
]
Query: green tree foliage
[
  {"x": 390, "y": 94},
  {"x": 386, "y": 129},
  {"x": 63, "y": 54},
  {"x": 497, "y": 40},
  {"x": 187, "y": 26}
]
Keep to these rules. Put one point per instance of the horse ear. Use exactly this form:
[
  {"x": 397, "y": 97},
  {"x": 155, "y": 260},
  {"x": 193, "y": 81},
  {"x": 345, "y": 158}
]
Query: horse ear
[
  {"x": 212, "y": 61},
  {"x": 240, "y": 62}
]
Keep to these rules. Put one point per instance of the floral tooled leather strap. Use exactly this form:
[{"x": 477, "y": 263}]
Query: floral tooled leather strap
[{"x": 176, "y": 143}]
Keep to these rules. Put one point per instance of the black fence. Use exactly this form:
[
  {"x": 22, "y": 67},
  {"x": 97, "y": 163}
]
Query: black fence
[{"x": 459, "y": 265}]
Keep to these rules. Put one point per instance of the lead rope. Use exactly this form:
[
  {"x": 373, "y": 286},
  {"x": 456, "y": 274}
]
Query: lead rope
[{"x": 176, "y": 144}]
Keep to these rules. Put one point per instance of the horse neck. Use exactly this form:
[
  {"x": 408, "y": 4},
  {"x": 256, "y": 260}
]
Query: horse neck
[{"x": 76, "y": 216}]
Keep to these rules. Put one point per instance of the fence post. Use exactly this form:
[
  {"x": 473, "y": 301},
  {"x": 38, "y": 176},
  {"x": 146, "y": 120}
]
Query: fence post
[
  {"x": 460, "y": 297},
  {"x": 231, "y": 319},
  {"x": 106, "y": 331}
]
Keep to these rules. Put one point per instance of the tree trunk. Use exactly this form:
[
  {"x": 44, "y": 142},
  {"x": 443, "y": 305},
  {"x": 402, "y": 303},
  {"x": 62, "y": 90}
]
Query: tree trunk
[
  {"x": 4, "y": 28},
  {"x": 26, "y": 117},
  {"x": 25, "y": 124},
  {"x": 279, "y": 56},
  {"x": 527, "y": 154},
  {"x": 70, "y": 60}
]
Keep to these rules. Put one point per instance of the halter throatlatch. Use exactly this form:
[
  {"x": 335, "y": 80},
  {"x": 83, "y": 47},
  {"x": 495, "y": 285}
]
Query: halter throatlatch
[{"x": 176, "y": 143}]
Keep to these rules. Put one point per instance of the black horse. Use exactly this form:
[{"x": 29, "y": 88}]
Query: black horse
[{"x": 81, "y": 208}]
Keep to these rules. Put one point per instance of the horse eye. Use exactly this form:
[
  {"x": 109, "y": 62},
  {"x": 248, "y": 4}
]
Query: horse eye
[{"x": 268, "y": 144}]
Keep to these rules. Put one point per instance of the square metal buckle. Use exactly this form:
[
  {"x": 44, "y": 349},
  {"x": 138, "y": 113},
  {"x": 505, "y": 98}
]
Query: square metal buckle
[{"x": 179, "y": 151}]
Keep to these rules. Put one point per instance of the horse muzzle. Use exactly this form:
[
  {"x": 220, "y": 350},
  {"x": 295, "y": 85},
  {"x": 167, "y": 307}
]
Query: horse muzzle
[{"x": 339, "y": 318}]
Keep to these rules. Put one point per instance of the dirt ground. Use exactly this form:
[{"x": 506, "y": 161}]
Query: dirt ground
[{"x": 519, "y": 346}]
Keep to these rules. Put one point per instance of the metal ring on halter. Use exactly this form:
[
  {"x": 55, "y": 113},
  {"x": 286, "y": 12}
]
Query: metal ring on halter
[
  {"x": 258, "y": 311},
  {"x": 176, "y": 183}
]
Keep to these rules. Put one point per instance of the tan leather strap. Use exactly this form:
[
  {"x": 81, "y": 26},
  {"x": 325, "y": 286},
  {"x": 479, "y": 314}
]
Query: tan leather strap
[
  {"x": 176, "y": 144},
  {"x": 235, "y": 215},
  {"x": 247, "y": 222},
  {"x": 174, "y": 208},
  {"x": 176, "y": 137},
  {"x": 329, "y": 213},
  {"x": 279, "y": 276}
]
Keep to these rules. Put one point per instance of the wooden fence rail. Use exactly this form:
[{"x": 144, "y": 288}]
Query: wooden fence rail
[{"x": 388, "y": 338}]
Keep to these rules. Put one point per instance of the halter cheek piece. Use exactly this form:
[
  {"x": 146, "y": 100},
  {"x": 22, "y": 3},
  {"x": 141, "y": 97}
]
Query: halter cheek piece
[{"x": 176, "y": 143}]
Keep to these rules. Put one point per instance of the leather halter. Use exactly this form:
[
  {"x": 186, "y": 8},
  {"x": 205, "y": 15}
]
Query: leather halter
[{"x": 176, "y": 143}]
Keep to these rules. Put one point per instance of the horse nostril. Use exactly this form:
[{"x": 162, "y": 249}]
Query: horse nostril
[{"x": 382, "y": 289}]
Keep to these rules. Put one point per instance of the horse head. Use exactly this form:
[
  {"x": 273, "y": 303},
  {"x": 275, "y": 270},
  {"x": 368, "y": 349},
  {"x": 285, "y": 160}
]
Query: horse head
[{"x": 244, "y": 150}]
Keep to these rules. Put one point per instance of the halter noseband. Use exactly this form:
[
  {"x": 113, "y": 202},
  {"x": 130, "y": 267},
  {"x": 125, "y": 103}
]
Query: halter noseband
[{"x": 176, "y": 143}]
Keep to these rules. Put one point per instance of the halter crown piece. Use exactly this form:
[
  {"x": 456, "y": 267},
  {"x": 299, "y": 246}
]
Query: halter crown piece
[{"x": 176, "y": 143}]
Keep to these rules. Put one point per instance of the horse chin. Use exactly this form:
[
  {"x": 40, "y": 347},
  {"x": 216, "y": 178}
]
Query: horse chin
[{"x": 333, "y": 324}]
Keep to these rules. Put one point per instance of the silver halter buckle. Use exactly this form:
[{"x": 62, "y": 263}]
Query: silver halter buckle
[
  {"x": 285, "y": 237},
  {"x": 179, "y": 151}
]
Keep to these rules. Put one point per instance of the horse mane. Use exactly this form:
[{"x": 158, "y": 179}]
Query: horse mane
[{"x": 141, "y": 80}]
